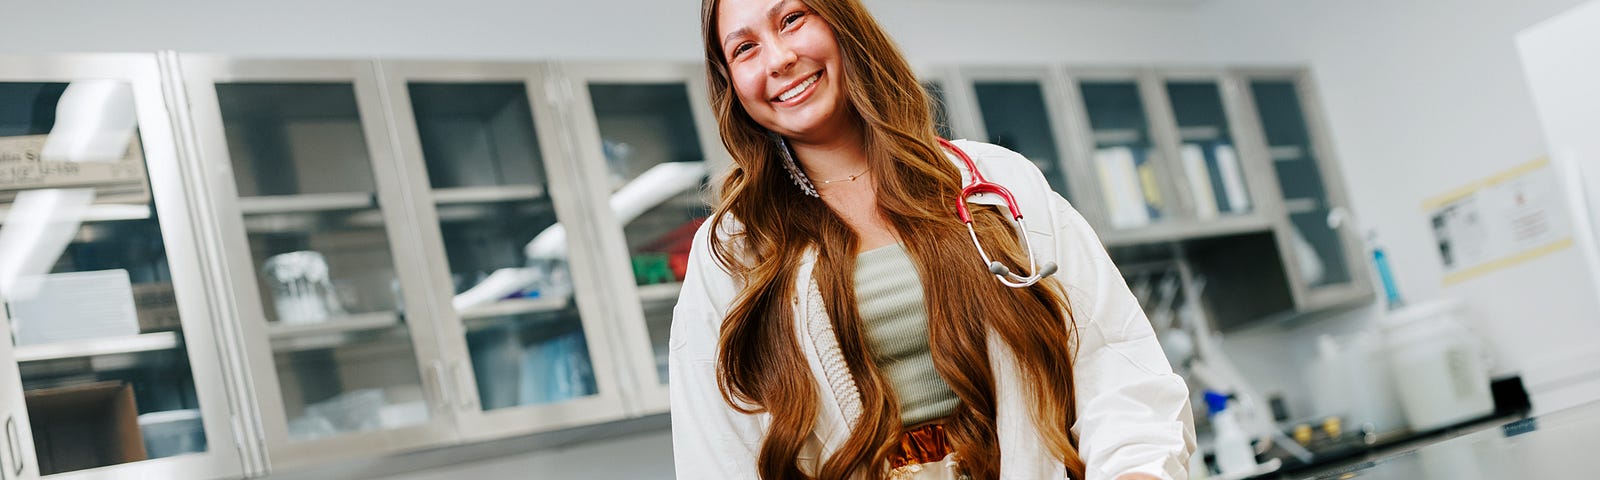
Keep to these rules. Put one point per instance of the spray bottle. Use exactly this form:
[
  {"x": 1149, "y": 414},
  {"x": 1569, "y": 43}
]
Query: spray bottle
[{"x": 1234, "y": 453}]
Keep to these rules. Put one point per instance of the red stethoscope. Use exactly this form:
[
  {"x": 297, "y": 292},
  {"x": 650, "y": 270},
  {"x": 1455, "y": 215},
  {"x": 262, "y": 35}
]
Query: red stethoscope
[{"x": 978, "y": 186}]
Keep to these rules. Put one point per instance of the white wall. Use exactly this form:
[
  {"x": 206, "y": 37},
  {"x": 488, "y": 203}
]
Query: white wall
[
  {"x": 931, "y": 30},
  {"x": 1562, "y": 61},
  {"x": 1423, "y": 97}
]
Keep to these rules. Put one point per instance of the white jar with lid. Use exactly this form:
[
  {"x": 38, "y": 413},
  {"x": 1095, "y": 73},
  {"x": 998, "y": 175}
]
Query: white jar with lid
[{"x": 1438, "y": 365}]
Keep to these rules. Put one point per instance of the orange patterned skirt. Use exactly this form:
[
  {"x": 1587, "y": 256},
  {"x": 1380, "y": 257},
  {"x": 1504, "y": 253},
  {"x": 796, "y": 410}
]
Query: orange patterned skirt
[{"x": 925, "y": 453}]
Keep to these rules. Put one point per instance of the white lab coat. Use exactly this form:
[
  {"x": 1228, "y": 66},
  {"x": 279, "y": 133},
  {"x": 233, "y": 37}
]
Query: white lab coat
[{"x": 1133, "y": 412}]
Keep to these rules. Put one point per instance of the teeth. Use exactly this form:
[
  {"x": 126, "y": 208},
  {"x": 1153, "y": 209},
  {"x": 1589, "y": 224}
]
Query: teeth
[{"x": 794, "y": 92}]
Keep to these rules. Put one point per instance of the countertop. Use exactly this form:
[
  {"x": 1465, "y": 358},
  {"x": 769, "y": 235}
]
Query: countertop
[{"x": 1559, "y": 445}]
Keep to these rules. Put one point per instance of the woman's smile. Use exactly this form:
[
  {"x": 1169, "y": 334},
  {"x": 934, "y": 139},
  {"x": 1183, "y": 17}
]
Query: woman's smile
[{"x": 798, "y": 93}]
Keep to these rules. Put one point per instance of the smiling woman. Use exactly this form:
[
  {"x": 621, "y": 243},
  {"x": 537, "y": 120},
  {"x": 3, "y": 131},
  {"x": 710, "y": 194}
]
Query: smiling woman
[
  {"x": 786, "y": 69},
  {"x": 844, "y": 329}
]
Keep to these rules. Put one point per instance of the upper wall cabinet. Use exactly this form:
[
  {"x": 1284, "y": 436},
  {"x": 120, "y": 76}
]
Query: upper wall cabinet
[
  {"x": 321, "y": 257},
  {"x": 1162, "y": 149},
  {"x": 113, "y": 367},
  {"x": 515, "y": 277}
]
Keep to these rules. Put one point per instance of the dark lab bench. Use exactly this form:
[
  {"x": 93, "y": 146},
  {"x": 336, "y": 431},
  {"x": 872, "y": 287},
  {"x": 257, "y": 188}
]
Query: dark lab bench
[{"x": 1559, "y": 445}]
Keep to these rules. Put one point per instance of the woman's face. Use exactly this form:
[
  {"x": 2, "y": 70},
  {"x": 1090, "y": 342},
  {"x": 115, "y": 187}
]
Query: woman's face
[{"x": 785, "y": 65}]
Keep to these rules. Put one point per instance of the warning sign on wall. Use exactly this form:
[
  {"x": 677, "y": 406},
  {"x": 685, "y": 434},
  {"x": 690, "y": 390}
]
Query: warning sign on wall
[{"x": 1500, "y": 221}]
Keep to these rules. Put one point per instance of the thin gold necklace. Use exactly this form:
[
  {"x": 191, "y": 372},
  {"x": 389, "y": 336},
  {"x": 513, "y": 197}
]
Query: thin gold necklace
[{"x": 851, "y": 178}]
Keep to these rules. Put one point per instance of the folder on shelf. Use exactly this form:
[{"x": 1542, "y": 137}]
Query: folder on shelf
[
  {"x": 1199, "y": 176},
  {"x": 1119, "y": 179}
]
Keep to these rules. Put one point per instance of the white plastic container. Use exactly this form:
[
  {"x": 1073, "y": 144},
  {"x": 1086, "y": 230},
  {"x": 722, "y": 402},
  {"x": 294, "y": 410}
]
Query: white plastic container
[
  {"x": 1350, "y": 378},
  {"x": 172, "y": 433},
  {"x": 1439, "y": 366}
]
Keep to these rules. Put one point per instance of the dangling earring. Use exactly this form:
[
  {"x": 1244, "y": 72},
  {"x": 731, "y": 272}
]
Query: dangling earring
[{"x": 799, "y": 177}]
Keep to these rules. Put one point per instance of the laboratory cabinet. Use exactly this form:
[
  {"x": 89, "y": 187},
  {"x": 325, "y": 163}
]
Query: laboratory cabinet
[
  {"x": 432, "y": 253},
  {"x": 1182, "y": 158},
  {"x": 262, "y": 266},
  {"x": 117, "y": 365}
]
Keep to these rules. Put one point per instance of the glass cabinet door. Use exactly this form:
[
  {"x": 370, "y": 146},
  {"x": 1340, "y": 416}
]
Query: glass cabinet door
[
  {"x": 515, "y": 270},
  {"x": 331, "y": 297},
  {"x": 645, "y": 131},
  {"x": 651, "y": 145},
  {"x": 1125, "y": 156},
  {"x": 104, "y": 301},
  {"x": 1326, "y": 252},
  {"x": 1016, "y": 115},
  {"x": 1208, "y": 155}
]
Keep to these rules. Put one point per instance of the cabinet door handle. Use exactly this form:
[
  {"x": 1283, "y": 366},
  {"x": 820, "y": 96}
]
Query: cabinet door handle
[
  {"x": 441, "y": 385},
  {"x": 464, "y": 389},
  {"x": 14, "y": 445}
]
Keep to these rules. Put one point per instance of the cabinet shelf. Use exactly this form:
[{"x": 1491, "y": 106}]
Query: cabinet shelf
[
  {"x": 103, "y": 213},
  {"x": 520, "y": 306},
  {"x": 489, "y": 194},
  {"x": 1174, "y": 232},
  {"x": 1197, "y": 134},
  {"x": 1286, "y": 153},
  {"x": 1117, "y": 136},
  {"x": 332, "y": 326},
  {"x": 332, "y": 333},
  {"x": 661, "y": 292},
  {"x": 149, "y": 342},
  {"x": 311, "y": 202}
]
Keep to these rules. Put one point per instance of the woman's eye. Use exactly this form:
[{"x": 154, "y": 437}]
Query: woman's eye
[
  {"x": 790, "y": 19},
  {"x": 743, "y": 47}
]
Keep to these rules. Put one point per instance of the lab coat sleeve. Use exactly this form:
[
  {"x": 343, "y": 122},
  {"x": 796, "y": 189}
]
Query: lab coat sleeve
[
  {"x": 709, "y": 438},
  {"x": 1133, "y": 411}
]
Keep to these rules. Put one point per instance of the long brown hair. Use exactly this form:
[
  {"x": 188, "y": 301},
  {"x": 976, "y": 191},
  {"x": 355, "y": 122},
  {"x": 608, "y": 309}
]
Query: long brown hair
[{"x": 761, "y": 367}]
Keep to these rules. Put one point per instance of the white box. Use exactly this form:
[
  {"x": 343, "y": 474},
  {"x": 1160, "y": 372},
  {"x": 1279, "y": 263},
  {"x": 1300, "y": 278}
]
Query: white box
[{"x": 76, "y": 306}]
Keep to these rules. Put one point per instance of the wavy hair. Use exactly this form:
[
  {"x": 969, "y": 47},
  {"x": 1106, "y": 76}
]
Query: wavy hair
[{"x": 760, "y": 364}]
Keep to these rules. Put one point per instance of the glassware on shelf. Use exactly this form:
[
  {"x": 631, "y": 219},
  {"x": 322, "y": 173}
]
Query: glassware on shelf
[{"x": 302, "y": 289}]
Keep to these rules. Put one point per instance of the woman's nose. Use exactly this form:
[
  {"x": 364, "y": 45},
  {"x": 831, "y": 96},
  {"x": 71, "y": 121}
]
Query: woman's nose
[{"x": 780, "y": 58}]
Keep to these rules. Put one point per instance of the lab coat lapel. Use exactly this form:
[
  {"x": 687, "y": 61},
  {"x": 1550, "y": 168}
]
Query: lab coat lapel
[{"x": 836, "y": 390}]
